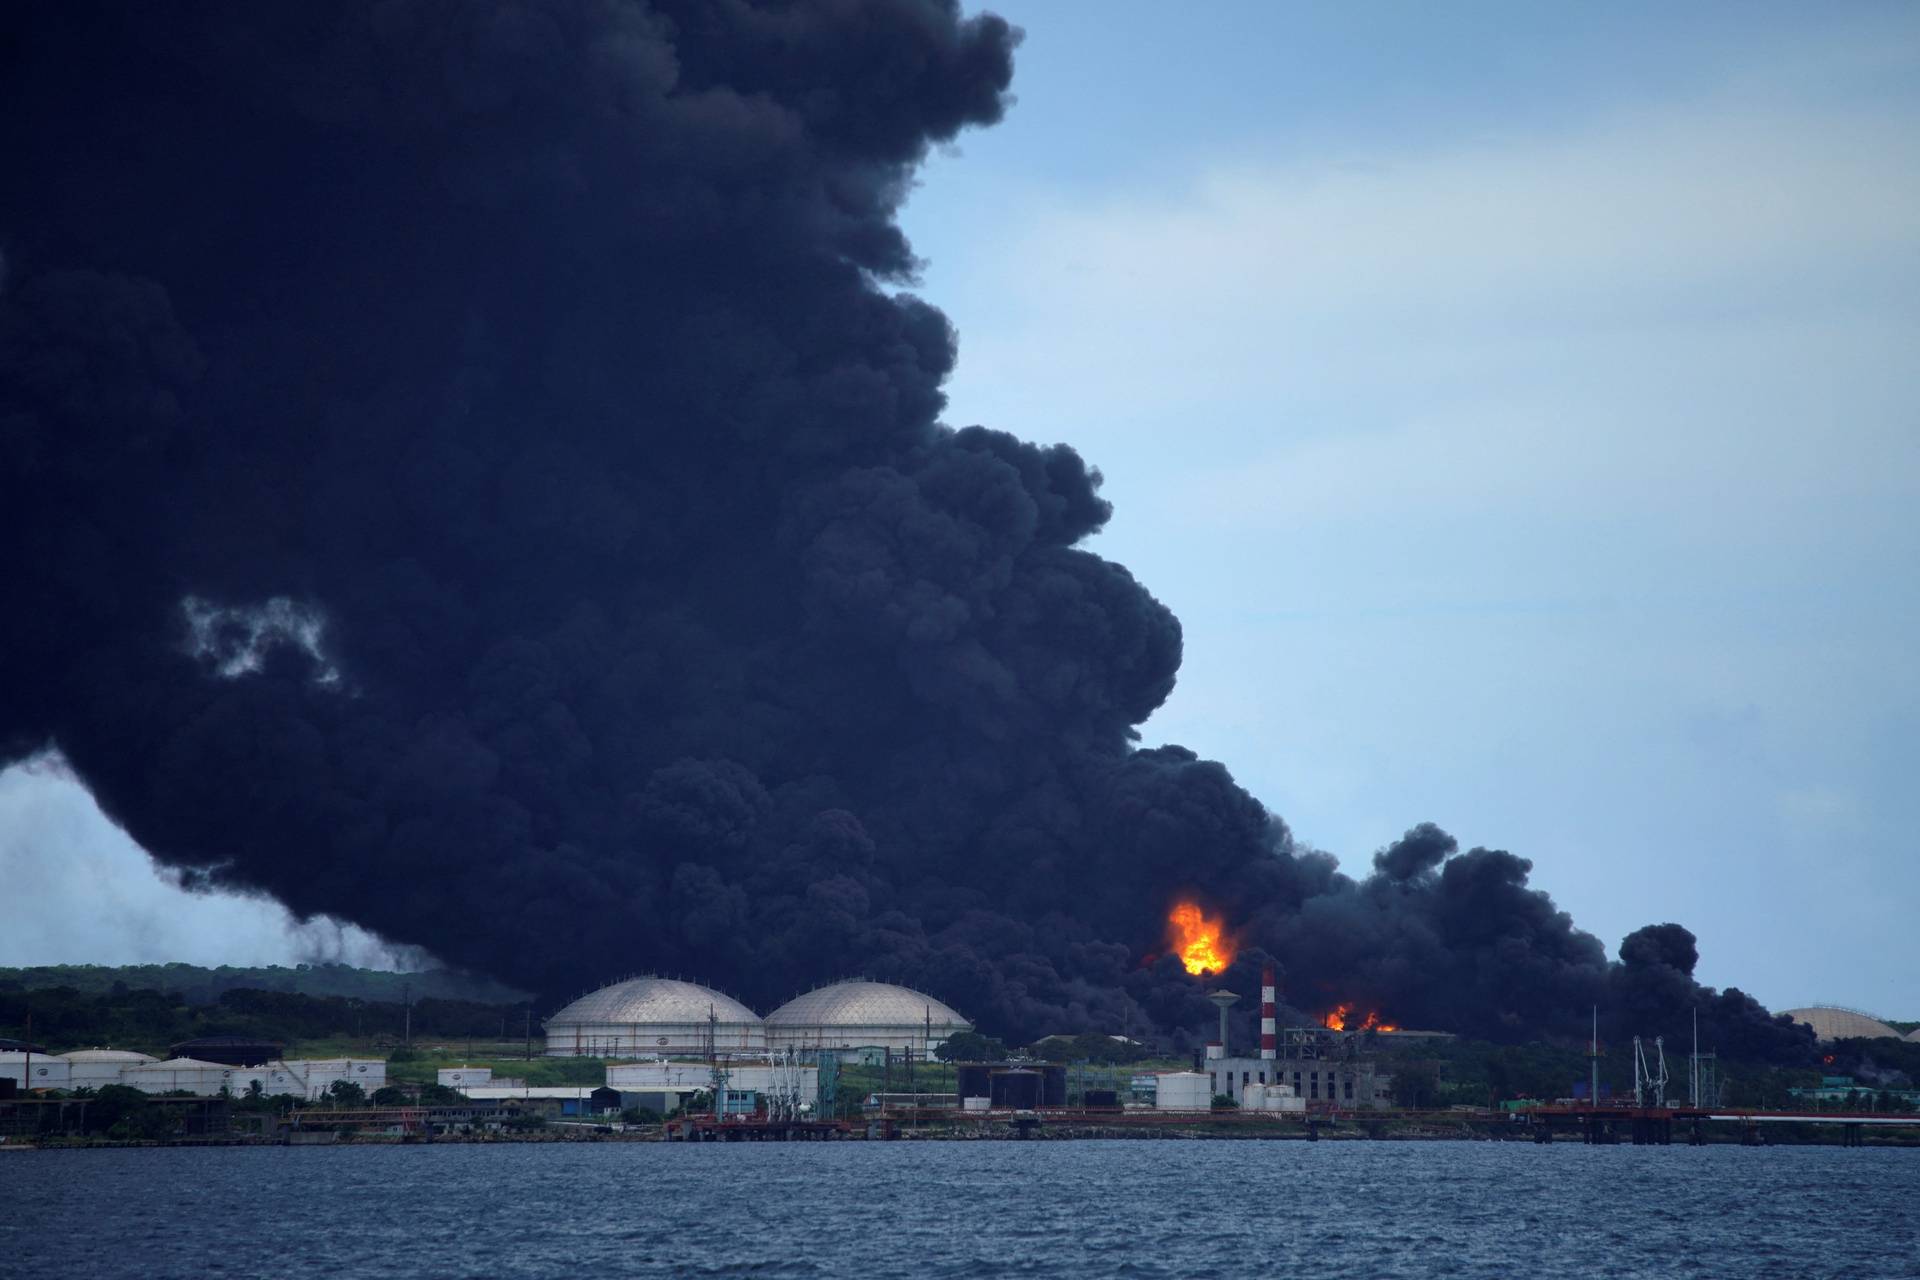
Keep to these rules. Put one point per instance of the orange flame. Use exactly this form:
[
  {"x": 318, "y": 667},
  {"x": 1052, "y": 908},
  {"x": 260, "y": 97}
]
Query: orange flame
[
  {"x": 1337, "y": 1020},
  {"x": 1201, "y": 944}
]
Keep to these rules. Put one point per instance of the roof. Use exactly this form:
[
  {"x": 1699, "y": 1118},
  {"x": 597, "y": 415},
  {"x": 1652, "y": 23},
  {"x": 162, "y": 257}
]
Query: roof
[
  {"x": 859, "y": 1003},
  {"x": 183, "y": 1064},
  {"x": 656, "y": 1000},
  {"x": 1914, "y": 1035},
  {"x": 495, "y": 1092},
  {"x": 107, "y": 1055},
  {"x": 1832, "y": 1023}
]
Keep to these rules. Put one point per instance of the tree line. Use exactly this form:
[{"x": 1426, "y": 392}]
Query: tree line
[{"x": 149, "y": 1020}]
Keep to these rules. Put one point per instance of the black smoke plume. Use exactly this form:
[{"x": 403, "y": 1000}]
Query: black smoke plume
[{"x": 473, "y": 469}]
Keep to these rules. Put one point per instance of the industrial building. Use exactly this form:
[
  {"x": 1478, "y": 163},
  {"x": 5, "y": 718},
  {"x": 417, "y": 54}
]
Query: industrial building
[
  {"x": 858, "y": 1014},
  {"x": 654, "y": 1017},
  {"x": 663, "y": 1086},
  {"x": 1322, "y": 1068},
  {"x": 1831, "y": 1022}
]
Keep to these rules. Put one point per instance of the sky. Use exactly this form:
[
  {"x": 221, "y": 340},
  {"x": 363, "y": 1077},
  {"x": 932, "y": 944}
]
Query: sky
[{"x": 1517, "y": 405}]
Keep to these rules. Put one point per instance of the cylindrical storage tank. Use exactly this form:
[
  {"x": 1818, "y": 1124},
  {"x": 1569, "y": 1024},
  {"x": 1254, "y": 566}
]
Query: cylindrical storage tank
[
  {"x": 181, "y": 1075},
  {"x": 35, "y": 1070},
  {"x": 650, "y": 1017},
  {"x": 96, "y": 1068},
  {"x": 1183, "y": 1091},
  {"x": 1016, "y": 1090},
  {"x": 971, "y": 1080},
  {"x": 1053, "y": 1086}
]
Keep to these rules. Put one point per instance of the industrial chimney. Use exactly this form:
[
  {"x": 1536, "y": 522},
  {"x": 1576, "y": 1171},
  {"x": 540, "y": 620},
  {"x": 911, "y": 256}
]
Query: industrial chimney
[{"x": 1269, "y": 1035}]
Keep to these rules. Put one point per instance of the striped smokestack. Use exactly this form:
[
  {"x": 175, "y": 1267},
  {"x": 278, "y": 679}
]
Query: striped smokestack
[{"x": 1269, "y": 1044}]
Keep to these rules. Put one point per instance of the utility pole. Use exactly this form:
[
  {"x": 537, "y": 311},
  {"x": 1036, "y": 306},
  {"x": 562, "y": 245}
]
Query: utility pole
[
  {"x": 1593, "y": 1061},
  {"x": 406, "y": 998},
  {"x": 1693, "y": 1064},
  {"x": 529, "y": 1044}
]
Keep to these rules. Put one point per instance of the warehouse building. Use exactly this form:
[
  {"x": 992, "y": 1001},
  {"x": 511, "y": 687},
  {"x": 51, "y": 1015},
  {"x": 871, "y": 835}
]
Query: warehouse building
[{"x": 650, "y": 1017}]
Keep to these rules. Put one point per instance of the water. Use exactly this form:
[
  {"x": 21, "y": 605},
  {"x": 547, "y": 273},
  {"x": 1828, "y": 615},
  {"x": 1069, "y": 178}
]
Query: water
[{"x": 1139, "y": 1208}]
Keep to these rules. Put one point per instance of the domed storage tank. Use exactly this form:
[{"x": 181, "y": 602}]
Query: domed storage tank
[
  {"x": 653, "y": 1017},
  {"x": 1830, "y": 1022},
  {"x": 859, "y": 1014}
]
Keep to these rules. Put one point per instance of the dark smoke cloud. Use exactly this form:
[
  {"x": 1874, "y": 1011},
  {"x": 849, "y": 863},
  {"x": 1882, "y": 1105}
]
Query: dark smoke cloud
[{"x": 471, "y": 470}]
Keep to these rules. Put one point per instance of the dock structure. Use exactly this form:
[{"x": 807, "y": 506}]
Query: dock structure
[{"x": 752, "y": 1128}]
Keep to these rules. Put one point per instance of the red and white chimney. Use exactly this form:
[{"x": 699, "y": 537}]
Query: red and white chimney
[{"x": 1269, "y": 1034}]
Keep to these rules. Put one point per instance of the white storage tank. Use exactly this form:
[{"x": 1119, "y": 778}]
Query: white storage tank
[
  {"x": 311, "y": 1078},
  {"x": 93, "y": 1068},
  {"x": 34, "y": 1071},
  {"x": 858, "y": 1014},
  {"x": 1183, "y": 1091},
  {"x": 464, "y": 1077},
  {"x": 182, "y": 1075},
  {"x": 654, "y": 1017},
  {"x": 1271, "y": 1098}
]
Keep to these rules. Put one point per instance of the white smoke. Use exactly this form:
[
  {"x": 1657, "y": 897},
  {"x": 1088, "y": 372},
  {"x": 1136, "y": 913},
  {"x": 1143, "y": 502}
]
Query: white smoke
[{"x": 236, "y": 638}]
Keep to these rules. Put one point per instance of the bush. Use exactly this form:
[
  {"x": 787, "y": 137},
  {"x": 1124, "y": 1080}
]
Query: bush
[{"x": 640, "y": 1115}]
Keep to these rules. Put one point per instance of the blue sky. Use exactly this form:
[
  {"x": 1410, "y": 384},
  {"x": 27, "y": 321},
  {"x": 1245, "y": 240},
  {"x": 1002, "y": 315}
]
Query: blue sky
[{"x": 1516, "y": 403}]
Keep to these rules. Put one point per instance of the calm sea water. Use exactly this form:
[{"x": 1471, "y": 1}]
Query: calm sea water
[{"x": 964, "y": 1209}]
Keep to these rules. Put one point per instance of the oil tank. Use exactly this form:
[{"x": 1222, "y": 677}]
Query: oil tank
[
  {"x": 1018, "y": 1090},
  {"x": 972, "y": 1080},
  {"x": 1053, "y": 1086},
  {"x": 1183, "y": 1091}
]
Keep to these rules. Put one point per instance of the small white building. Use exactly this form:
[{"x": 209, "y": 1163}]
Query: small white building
[
  {"x": 181, "y": 1075},
  {"x": 93, "y": 1068},
  {"x": 34, "y": 1071}
]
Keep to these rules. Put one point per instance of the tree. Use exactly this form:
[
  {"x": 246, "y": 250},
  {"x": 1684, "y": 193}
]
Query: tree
[
  {"x": 1416, "y": 1085},
  {"x": 345, "y": 1093},
  {"x": 970, "y": 1046}
]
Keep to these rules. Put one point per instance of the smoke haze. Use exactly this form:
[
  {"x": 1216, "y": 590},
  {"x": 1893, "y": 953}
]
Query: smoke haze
[{"x": 477, "y": 473}]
